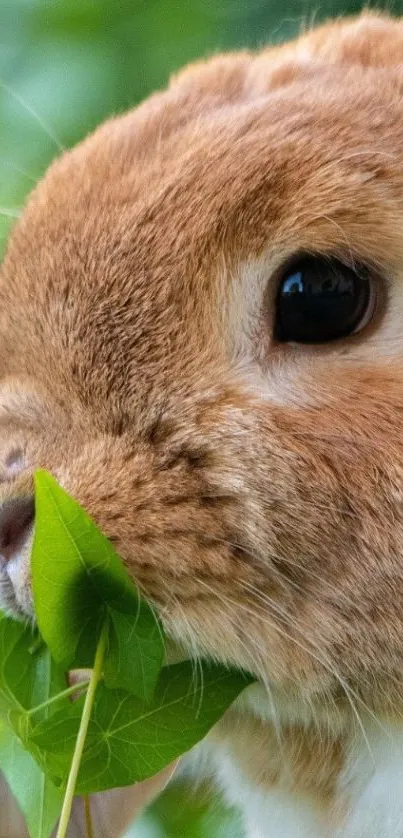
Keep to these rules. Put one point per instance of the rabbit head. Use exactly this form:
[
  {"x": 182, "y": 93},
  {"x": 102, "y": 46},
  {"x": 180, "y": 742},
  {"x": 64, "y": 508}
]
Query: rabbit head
[{"x": 201, "y": 337}]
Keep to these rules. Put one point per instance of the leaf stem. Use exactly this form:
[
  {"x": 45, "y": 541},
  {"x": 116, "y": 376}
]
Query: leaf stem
[
  {"x": 64, "y": 694},
  {"x": 36, "y": 645},
  {"x": 82, "y": 733}
]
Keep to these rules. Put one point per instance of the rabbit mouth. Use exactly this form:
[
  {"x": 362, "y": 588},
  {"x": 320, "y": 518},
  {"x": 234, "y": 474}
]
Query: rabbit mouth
[
  {"x": 15, "y": 588},
  {"x": 8, "y": 599}
]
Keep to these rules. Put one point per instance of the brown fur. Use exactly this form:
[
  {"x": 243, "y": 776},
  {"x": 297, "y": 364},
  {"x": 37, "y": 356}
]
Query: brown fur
[{"x": 254, "y": 490}]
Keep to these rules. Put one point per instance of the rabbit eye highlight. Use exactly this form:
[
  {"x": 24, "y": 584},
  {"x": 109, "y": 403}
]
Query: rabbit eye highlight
[{"x": 320, "y": 299}]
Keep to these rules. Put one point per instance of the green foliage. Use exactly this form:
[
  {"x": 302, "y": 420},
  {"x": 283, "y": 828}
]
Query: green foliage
[
  {"x": 184, "y": 811},
  {"x": 91, "y": 614},
  {"x": 26, "y": 680},
  {"x": 135, "y": 651},
  {"x": 39, "y": 800},
  {"x": 79, "y": 584},
  {"x": 129, "y": 739}
]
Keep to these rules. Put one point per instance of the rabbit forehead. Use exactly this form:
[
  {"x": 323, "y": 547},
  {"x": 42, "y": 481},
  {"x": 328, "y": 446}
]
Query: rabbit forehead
[
  {"x": 290, "y": 174},
  {"x": 232, "y": 178},
  {"x": 133, "y": 248}
]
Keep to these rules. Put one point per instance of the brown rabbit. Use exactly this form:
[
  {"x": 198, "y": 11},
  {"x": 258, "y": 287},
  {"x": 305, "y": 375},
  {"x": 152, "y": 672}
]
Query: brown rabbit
[{"x": 201, "y": 336}]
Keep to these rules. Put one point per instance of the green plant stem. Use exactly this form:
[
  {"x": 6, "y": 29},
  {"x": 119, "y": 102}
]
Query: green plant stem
[
  {"x": 64, "y": 694},
  {"x": 82, "y": 733},
  {"x": 36, "y": 645}
]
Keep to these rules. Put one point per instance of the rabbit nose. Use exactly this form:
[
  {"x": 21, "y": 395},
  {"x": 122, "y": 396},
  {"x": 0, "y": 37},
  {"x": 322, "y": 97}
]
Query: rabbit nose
[{"x": 16, "y": 518}]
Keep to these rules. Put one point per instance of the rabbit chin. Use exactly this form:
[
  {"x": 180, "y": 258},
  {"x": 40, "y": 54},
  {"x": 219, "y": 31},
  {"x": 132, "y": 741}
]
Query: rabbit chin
[{"x": 15, "y": 583}]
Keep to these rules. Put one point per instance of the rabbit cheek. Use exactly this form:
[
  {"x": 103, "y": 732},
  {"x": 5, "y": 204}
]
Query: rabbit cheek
[{"x": 346, "y": 525}]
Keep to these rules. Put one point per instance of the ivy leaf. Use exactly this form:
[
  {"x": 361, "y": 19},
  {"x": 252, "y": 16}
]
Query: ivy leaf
[
  {"x": 78, "y": 583},
  {"x": 39, "y": 800},
  {"x": 135, "y": 653},
  {"x": 27, "y": 679},
  {"x": 17, "y": 668},
  {"x": 130, "y": 740}
]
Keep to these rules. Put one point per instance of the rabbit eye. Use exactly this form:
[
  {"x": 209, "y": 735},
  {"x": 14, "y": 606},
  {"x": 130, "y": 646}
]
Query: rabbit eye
[{"x": 320, "y": 299}]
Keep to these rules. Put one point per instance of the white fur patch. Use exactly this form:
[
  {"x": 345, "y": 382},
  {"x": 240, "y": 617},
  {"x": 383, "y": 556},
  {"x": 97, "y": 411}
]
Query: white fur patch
[
  {"x": 370, "y": 790},
  {"x": 373, "y": 786},
  {"x": 373, "y": 783},
  {"x": 280, "y": 815},
  {"x": 276, "y": 814}
]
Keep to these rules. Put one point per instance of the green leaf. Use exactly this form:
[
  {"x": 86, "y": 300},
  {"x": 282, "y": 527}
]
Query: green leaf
[
  {"x": 128, "y": 739},
  {"x": 27, "y": 679},
  {"x": 135, "y": 652},
  {"x": 77, "y": 579},
  {"x": 80, "y": 585},
  {"x": 39, "y": 800}
]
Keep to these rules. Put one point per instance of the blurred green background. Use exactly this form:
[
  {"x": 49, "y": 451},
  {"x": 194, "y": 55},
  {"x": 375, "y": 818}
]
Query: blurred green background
[{"x": 65, "y": 65}]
